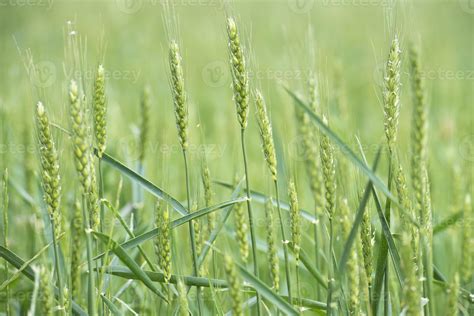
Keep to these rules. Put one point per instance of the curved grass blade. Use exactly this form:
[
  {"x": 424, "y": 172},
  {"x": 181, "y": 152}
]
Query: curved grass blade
[
  {"x": 448, "y": 222},
  {"x": 266, "y": 292},
  {"x": 345, "y": 149},
  {"x": 262, "y": 198},
  {"x": 311, "y": 268},
  {"x": 130, "y": 263},
  {"x": 390, "y": 244},
  {"x": 26, "y": 264},
  {"x": 18, "y": 263},
  {"x": 357, "y": 220},
  {"x": 159, "y": 277},
  {"x": 208, "y": 244},
  {"x": 147, "y": 185},
  {"x": 138, "y": 240},
  {"x": 111, "y": 306}
]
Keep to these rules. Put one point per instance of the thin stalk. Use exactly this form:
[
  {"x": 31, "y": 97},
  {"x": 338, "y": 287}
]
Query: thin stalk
[
  {"x": 91, "y": 305},
  {"x": 387, "y": 307},
  {"x": 249, "y": 209},
  {"x": 191, "y": 231},
  {"x": 316, "y": 250},
  {"x": 58, "y": 271},
  {"x": 285, "y": 246},
  {"x": 331, "y": 271}
]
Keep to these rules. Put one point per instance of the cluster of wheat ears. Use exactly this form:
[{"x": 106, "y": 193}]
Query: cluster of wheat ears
[{"x": 371, "y": 271}]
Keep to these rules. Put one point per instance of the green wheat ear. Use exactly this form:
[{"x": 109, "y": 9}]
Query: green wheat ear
[
  {"x": 50, "y": 176},
  {"x": 453, "y": 296},
  {"x": 183, "y": 299},
  {"x": 239, "y": 73},
  {"x": 234, "y": 285},
  {"x": 411, "y": 289},
  {"x": 467, "y": 242},
  {"x": 392, "y": 94},
  {"x": 163, "y": 240},
  {"x": 241, "y": 231},
  {"x": 100, "y": 111},
  {"x": 46, "y": 291},
  {"x": 272, "y": 247},
  {"x": 179, "y": 95},
  {"x": 76, "y": 245},
  {"x": 83, "y": 156},
  {"x": 294, "y": 219},
  {"x": 329, "y": 172},
  {"x": 266, "y": 134}
]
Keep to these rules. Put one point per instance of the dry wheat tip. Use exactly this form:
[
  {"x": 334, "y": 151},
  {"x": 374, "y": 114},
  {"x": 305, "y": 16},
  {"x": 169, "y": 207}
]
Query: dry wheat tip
[
  {"x": 179, "y": 95},
  {"x": 79, "y": 137},
  {"x": 266, "y": 134},
  {"x": 100, "y": 111},
  {"x": 272, "y": 247},
  {"x": 392, "y": 94},
  {"x": 239, "y": 73},
  {"x": 163, "y": 240},
  {"x": 294, "y": 219},
  {"x": 329, "y": 172},
  {"x": 50, "y": 176},
  {"x": 234, "y": 285}
]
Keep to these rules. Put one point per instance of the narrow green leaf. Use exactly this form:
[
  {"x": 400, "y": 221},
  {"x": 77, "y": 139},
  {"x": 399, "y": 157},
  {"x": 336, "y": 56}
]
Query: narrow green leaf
[
  {"x": 147, "y": 185},
  {"x": 266, "y": 292},
  {"x": 219, "y": 226},
  {"x": 358, "y": 219},
  {"x": 111, "y": 306},
  {"x": 389, "y": 239},
  {"x": 262, "y": 198},
  {"x": 447, "y": 222},
  {"x": 345, "y": 149},
  {"x": 25, "y": 265},
  {"x": 130, "y": 263},
  {"x": 138, "y": 240},
  {"x": 159, "y": 277},
  {"x": 307, "y": 262},
  {"x": 18, "y": 263}
]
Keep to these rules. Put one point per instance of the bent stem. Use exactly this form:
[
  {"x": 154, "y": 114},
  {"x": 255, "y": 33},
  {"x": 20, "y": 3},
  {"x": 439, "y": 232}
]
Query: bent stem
[
  {"x": 249, "y": 209},
  {"x": 191, "y": 231},
  {"x": 285, "y": 245}
]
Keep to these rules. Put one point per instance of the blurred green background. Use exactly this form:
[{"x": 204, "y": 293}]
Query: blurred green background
[{"x": 344, "y": 42}]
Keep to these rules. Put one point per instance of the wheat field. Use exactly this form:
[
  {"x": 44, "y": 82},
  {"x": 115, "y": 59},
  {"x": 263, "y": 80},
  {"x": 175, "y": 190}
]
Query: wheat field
[{"x": 209, "y": 157}]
